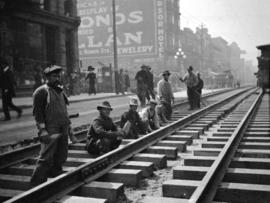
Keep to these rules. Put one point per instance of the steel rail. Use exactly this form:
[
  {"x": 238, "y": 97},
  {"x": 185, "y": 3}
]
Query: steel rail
[
  {"x": 18, "y": 155},
  {"x": 205, "y": 193},
  {"x": 56, "y": 188}
]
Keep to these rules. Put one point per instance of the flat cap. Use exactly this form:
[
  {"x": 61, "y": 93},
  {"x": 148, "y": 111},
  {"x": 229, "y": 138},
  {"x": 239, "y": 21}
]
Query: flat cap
[{"x": 51, "y": 69}]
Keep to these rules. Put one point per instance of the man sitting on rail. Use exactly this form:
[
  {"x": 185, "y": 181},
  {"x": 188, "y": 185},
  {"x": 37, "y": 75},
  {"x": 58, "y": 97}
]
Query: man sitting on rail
[
  {"x": 52, "y": 120},
  {"x": 131, "y": 121},
  {"x": 103, "y": 135},
  {"x": 149, "y": 116}
]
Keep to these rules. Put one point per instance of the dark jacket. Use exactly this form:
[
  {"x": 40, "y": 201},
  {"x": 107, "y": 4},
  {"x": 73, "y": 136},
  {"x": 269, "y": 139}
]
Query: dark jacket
[
  {"x": 141, "y": 77},
  {"x": 92, "y": 77},
  {"x": 49, "y": 105},
  {"x": 135, "y": 120},
  {"x": 150, "y": 80},
  {"x": 102, "y": 136},
  {"x": 103, "y": 127},
  {"x": 199, "y": 86}
]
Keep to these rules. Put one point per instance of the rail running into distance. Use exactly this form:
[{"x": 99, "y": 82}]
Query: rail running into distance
[{"x": 66, "y": 183}]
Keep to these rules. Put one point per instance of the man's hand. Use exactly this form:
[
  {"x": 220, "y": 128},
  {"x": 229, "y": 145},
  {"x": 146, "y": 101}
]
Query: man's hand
[
  {"x": 44, "y": 136},
  {"x": 121, "y": 134},
  {"x": 72, "y": 137}
]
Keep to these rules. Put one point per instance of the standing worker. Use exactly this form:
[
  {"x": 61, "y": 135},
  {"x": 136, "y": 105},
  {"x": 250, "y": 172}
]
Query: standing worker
[
  {"x": 53, "y": 124},
  {"x": 165, "y": 94},
  {"x": 150, "y": 84},
  {"x": 198, "y": 90},
  {"x": 92, "y": 80},
  {"x": 191, "y": 81},
  {"x": 142, "y": 78},
  {"x": 8, "y": 91}
]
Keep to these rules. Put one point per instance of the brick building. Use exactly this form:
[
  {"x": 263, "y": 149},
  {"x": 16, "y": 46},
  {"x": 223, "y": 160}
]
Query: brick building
[{"x": 35, "y": 33}]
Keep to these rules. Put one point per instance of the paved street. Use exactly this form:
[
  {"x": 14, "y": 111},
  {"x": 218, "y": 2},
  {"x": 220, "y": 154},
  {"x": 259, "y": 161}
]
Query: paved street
[{"x": 24, "y": 128}]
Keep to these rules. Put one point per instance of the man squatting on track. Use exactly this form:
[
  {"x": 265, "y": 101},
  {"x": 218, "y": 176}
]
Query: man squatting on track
[
  {"x": 51, "y": 116},
  {"x": 103, "y": 135}
]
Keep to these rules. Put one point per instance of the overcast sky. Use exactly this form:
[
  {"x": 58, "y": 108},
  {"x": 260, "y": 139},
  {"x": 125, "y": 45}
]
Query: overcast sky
[{"x": 246, "y": 22}]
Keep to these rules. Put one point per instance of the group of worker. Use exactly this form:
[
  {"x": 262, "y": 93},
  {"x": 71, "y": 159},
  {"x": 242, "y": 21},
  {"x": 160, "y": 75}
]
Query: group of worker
[{"x": 54, "y": 129}]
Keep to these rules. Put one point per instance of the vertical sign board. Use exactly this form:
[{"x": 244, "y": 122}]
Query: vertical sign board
[{"x": 140, "y": 28}]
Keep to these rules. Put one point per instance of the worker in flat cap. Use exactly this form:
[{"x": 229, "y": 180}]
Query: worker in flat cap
[
  {"x": 53, "y": 124},
  {"x": 165, "y": 94},
  {"x": 91, "y": 76},
  {"x": 103, "y": 136},
  {"x": 191, "y": 81}
]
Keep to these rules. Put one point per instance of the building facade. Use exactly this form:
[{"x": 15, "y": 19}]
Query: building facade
[
  {"x": 147, "y": 33},
  {"x": 36, "y": 33}
]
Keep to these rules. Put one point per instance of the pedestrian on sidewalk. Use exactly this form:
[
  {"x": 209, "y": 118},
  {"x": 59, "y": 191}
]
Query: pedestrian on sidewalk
[
  {"x": 8, "y": 84},
  {"x": 122, "y": 82},
  {"x": 53, "y": 124},
  {"x": 92, "y": 80},
  {"x": 127, "y": 81},
  {"x": 103, "y": 135},
  {"x": 165, "y": 94},
  {"x": 191, "y": 81}
]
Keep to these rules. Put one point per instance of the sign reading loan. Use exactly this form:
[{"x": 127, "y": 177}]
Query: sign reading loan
[{"x": 139, "y": 24}]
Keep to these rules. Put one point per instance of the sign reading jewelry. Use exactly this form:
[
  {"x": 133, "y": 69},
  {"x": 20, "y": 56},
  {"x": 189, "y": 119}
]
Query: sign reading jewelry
[{"x": 139, "y": 24}]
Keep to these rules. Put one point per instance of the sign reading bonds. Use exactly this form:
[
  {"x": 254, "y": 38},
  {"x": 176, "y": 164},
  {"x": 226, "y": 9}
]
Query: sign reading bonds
[{"x": 139, "y": 24}]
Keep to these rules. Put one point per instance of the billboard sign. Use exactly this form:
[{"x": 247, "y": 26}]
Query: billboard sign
[{"x": 139, "y": 24}]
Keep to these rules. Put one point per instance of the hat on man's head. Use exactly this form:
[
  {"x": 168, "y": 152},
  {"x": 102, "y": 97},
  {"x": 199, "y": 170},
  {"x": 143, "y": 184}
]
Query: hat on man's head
[
  {"x": 133, "y": 102},
  {"x": 190, "y": 68},
  {"x": 91, "y": 68},
  {"x": 104, "y": 105},
  {"x": 144, "y": 66},
  {"x": 52, "y": 69},
  {"x": 166, "y": 72},
  {"x": 153, "y": 101}
]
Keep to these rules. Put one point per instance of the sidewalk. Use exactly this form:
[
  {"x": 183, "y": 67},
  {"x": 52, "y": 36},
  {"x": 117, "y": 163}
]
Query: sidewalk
[{"x": 27, "y": 102}]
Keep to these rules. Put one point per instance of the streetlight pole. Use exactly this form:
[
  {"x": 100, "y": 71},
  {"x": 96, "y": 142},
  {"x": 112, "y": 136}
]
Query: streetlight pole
[{"x": 115, "y": 86}]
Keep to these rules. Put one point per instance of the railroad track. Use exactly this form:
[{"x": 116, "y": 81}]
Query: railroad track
[{"x": 82, "y": 170}]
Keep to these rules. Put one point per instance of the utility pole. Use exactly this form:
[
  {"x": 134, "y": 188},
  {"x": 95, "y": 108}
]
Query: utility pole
[
  {"x": 202, "y": 49},
  {"x": 115, "y": 79}
]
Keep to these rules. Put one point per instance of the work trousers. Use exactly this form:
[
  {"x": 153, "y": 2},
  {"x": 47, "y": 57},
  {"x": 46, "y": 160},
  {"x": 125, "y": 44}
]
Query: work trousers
[
  {"x": 166, "y": 108},
  {"x": 191, "y": 97},
  {"x": 52, "y": 155},
  {"x": 150, "y": 92}
]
